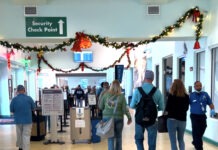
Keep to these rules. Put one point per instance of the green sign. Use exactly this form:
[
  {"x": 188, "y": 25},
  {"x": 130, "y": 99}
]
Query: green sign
[{"x": 46, "y": 26}]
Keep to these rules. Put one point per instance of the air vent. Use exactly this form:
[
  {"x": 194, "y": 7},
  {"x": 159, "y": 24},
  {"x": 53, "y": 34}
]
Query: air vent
[
  {"x": 153, "y": 10},
  {"x": 30, "y": 11}
]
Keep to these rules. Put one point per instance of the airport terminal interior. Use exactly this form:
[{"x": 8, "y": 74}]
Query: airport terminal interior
[{"x": 56, "y": 45}]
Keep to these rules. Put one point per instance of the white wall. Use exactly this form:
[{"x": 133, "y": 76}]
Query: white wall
[{"x": 113, "y": 19}]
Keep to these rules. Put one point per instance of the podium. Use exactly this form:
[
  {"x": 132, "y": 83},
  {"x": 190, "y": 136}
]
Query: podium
[{"x": 80, "y": 125}]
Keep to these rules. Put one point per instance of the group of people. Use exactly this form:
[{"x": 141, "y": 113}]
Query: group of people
[
  {"x": 176, "y": 110},
  {"x": 177, "y": 105}
]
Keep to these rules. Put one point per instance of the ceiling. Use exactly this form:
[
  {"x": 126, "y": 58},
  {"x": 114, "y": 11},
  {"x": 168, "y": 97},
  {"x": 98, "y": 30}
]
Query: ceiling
[
  {"x": 31, "y": 2},
  {"x": 151, "y": 2},
  {"x": 43, "y": 2}
]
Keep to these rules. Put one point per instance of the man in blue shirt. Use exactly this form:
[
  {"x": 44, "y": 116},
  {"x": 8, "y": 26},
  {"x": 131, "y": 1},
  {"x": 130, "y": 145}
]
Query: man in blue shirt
[
  {"x": 198, "y": 102},
  {"x": 22, "y": 106},
  {"x": 158, "y": 99}
]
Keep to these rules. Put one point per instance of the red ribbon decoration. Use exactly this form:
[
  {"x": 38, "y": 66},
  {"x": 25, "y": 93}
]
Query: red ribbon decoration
[
  {"x": 38, "y": 71},
  {"x": 82, "y": 41},
  {"x": 8, "y": 55},
  {"x": 197, "y": 45},
  {"x": 128, "y": 50},
  {"x": 196, "y": 15},
  {"x": 82, "y": 65}
]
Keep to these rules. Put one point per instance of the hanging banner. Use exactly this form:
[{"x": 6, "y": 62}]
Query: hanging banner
[{"x": 119, "y": 72}]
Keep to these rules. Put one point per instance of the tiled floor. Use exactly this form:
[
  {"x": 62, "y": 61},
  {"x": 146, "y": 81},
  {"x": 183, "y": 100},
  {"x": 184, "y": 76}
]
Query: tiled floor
[{"x": 8, "y": 140}]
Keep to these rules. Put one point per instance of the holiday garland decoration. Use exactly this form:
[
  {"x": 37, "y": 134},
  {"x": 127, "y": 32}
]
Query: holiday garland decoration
[
  {"x": 82, "y": 65},
  {"x": 83, "y": 40}
]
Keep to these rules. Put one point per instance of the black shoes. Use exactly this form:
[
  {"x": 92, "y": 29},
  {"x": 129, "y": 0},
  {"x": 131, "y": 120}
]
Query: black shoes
[{"x": 20, "y": 149}]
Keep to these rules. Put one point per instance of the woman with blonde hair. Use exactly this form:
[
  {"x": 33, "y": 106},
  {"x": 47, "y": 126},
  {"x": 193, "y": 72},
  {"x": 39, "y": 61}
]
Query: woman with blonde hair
[
  {"x": 111, "y": 99},
  {"x": 176, "y": 108}
]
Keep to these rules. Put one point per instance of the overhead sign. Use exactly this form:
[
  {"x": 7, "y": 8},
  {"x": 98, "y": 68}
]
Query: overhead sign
[{"x": 46, "y": 26}]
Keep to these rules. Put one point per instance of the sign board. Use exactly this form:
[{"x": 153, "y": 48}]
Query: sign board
[
  {"x": 79, "y": 112},
  {"x": 52, "y": 102},
  {"x": 46, "y": 26},
  {"x": 92, "y": 99},
  {"x": 80, "y": 123},
  {"x": 119, "y": 72}
]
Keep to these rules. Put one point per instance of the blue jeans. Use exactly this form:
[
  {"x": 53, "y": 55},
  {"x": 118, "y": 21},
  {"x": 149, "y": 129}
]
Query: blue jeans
[
  {"x": 79, "y": 103},
  {"x": 139, "y": 136},
  {"x": 115, "y": 143},
  {"x": 176, "y": 130}
]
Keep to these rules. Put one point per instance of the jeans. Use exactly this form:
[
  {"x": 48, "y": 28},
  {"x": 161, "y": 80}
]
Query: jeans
[
  {"x": 79, "y": 103},
  {"x": 139, "y": 136},
  {"x": 23, "y": 136},
  {"x": 176, "y": 130},
  {"x": 199, "y": 125},
  {"x": 115, "y": 143}
]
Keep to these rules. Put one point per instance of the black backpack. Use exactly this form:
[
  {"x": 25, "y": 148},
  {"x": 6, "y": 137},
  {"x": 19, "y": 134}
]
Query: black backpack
[{"x": 146, "y": 109}]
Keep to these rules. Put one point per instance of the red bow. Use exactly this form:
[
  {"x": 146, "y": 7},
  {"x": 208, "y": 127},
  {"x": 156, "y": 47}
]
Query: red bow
[{"x": 82, "y": 41}]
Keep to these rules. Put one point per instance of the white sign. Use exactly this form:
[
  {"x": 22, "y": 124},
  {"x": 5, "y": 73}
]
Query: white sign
[
  {"x": 65, "y": 95},
  {"x": 92, "y": 99},
  {"x": 80, "y": 124},
  {"x": 79, "y": 112},
  {"x": 52, "y": 102}
]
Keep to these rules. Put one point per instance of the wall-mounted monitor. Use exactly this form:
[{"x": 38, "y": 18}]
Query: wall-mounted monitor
[{"x": 84, "y": 56}]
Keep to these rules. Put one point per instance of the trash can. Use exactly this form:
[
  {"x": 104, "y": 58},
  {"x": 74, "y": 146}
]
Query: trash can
[{"x": 38, "y": 126}]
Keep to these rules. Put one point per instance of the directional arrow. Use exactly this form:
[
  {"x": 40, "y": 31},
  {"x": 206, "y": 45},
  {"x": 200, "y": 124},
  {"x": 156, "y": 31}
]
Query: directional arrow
[{"x": 61, "y": 22}]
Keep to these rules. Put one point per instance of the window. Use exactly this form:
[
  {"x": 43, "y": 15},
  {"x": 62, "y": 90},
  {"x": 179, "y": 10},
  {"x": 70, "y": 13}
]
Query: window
[
  {"x": 215, "y": 78},
  {"x": 200, "y": 74},
  {"x": 182, "y": 69}
]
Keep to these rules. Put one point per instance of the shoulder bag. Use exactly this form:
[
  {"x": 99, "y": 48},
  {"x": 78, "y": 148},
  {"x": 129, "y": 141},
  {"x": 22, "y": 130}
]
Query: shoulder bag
[{"x": 105, "y": 129}]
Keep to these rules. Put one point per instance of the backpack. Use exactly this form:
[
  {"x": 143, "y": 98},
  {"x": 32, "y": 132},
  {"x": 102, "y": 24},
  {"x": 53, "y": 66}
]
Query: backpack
[{"x": 146, "y": 109}]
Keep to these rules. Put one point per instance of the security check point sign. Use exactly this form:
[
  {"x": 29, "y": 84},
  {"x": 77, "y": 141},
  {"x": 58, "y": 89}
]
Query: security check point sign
[{"x": 46, "y": 26}]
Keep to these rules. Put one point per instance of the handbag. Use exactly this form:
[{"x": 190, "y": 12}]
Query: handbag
[
  {"x": 105, "y": 129},
  {"x": 162, "y": 124}
]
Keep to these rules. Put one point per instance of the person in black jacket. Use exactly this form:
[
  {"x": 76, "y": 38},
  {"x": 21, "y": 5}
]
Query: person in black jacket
[
  {"x": 176, "y": 108},
  {"x": 79, "y": 95}
]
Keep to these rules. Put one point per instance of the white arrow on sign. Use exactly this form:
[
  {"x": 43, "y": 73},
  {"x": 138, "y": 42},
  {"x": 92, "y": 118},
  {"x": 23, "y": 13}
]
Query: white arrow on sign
[{"x": 61, "y": 22}]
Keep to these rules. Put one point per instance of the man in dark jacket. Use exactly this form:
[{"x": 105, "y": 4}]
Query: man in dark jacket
[{"x": 79, "y": 95}]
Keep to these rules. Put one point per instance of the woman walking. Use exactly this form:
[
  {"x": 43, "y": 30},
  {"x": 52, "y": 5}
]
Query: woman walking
[
  {"x": 114, "y": 99},
  {"x": 176, "y": 108}
]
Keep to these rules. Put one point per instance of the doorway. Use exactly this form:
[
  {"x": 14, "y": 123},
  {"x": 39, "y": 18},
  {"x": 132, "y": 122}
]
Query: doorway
[
  {"x": 167, "y": 76},
  {"x": 182, "y": 69}
]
